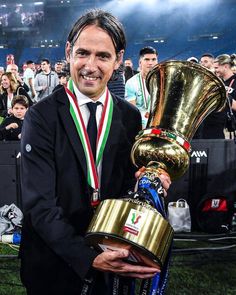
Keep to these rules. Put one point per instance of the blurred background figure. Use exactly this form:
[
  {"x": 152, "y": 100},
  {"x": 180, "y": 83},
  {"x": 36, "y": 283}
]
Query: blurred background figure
[
  {"x": 193, "y": 59},
  {"x": 29, "y": 78},
  {"x": 8, "y": 89},
  {"x": 2, "y": 71},
  {"x": 46, "y": 80},
  {"x": 117, "y": 82},
  {"x": 224, "y": 65},
  {"x": 14, "y": 69},
  {"x": 135, "y": 88},
  {"x": 207, "y": 61},
  {"x": 10, "y": 128},
  {"x": 58, "y": 67},
  {"x": 129, "y": 69},
  {"x": 63, "y": 78}
]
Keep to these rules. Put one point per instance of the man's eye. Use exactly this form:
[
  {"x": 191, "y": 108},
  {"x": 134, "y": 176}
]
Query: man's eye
[
  {"x": 81, "y": 53},
  {"x": 104, "y": 56}
]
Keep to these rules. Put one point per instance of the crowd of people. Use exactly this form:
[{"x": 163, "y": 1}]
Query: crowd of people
[
  {"x": 33, "y": 84},
  {"x": 39, "y": 80}
]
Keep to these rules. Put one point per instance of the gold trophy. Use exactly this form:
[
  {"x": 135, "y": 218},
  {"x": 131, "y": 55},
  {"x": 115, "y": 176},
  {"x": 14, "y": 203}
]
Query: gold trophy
[{"x": 182, "y": 95}]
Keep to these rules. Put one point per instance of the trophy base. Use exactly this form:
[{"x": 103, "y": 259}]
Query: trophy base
[{"x": 133, "y": 225}]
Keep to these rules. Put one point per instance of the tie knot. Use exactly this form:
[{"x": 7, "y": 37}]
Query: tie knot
[{"x": 92, "y": 106}]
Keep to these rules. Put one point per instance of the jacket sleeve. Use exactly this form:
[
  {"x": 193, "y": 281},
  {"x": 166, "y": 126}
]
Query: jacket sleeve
[
  {"x": 22, "y": 91},
  {"x": 40, "y": 200},
  {"x": 37, "y": 86}
]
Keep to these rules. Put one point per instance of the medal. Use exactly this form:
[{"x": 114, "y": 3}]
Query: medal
[
  {"x": 95, "y": 198},
  {"x": 103, "y": 132}
]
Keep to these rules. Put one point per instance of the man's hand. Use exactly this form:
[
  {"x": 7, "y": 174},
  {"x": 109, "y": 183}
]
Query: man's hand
[{"x": 113, "y": 261}]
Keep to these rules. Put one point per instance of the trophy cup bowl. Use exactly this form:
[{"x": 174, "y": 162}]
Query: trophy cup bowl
[{"x": 182, "y": 95}]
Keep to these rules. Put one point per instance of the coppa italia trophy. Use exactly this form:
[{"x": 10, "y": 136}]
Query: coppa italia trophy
[{"x": 182, "y": 95}]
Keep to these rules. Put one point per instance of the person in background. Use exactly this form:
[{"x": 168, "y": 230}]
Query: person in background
[
  {"x": 193, "y": 59},
  {"x": 223, "y": 68},
  {"x": 63, "y": 78},
  {"x": 135, "y": 88},
  {"x": 117, "y": 83},
  {"x": 58, "y": 67},
  {"x": 10, "y": 128},
  {"x": 9, "y": 87},
  {"x": 207, "y": 61},
  {"x": 58, "y": 202},
  {"x": 2, "y": 71},
  {"x": 45, "y": 81},
  {"x": 14, "y": 69},
  {"x": 28, "y": 77},
  {"x": 129, "y": 69}
]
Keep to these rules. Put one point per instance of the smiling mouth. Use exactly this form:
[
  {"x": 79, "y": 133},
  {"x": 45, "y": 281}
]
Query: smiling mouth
[{"x": 88, "y": 78}]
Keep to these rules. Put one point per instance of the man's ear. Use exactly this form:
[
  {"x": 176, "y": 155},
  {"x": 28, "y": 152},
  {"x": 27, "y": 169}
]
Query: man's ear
[
  {"x": 68, "y": 51},
  {"x": 119, "y": 59}
]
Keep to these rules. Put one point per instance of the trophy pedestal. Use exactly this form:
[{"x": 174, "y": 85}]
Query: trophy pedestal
[{"x": 133, "y": 225}]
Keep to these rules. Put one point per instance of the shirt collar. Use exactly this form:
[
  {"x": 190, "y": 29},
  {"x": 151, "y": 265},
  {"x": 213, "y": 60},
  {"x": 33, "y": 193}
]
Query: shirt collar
[{"x": 83, "y": 99}]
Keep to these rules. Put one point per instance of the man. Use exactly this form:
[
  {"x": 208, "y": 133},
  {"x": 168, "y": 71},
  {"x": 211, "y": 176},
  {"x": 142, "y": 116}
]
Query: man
[
  {"x": 29, "y": 78},
  {"x": 58, "y": 195},
  {"x": 223, "y": 65},
  {"x": 135, "y": 88},
  {"x": 213, "y": 126},
  {"x": 129, "y": 70},
  {"x": 45, "y": 81},
  {"x": 207, "y": 61},
  {"x": 128, "y": 62},
  {"x": 13, "y": 68},
  {"x": 58, "y": 67}
]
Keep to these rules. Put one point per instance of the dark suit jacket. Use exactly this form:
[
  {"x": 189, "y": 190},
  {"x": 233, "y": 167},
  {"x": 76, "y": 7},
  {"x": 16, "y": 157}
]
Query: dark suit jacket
[{"x": 55, "y": 194}]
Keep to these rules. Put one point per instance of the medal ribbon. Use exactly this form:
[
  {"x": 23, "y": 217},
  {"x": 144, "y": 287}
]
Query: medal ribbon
[
  {"x": 158, "y": 284},
  {"x": 103, "y": 132}
]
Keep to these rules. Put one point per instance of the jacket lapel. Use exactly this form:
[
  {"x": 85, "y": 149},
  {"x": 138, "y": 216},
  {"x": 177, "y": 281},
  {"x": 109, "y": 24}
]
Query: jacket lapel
[{"x": 67, "y": 121}]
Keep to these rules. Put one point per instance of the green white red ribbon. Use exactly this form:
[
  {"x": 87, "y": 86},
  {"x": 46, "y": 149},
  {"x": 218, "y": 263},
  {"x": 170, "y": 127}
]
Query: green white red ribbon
[{"x": 103, "y": 132}]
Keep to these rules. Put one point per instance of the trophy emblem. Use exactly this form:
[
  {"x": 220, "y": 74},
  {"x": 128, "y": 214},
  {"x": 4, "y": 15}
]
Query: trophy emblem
[{"x": 182, "y": 95}]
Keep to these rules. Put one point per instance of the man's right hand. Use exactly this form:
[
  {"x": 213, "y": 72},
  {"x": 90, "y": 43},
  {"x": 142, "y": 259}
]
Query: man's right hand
[{"x": 113, "y": 261}]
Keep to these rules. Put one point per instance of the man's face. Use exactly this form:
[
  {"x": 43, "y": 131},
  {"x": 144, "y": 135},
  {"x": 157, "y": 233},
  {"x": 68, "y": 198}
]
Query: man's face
[
  {"x": 147, "y": 62},
  {"x": 58, "y": 67},
  {"x": 128, "y": 63},
  {"x": 92, "y": 61},
  {"x": 207, "y": 62},
  {"x": 45, "y": 66},
  {"x": 32, "y": 66},
  {"x": 19, "y": 111},
  {"x": 220, "y": 70},
  {"x": 13, "y": 69}
]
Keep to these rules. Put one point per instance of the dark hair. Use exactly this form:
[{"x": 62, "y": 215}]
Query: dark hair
[
  {"x": 147, "y": 50},
  {"x": 29, "y": 62},
  {"x": 62, "y": 74},
  {"x": 103, "y": 20},
  {"x": 46, "y": 60},
  {"x": 207, "y": 55},
  {"x": 21, "y": 99}
]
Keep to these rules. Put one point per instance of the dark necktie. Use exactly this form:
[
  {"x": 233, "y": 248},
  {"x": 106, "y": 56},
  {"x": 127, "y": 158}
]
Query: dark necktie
[{"x": 92, "y": 126}]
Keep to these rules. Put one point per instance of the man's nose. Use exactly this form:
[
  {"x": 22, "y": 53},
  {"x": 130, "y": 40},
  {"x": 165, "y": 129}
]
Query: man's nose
[{"x": 91, "y": 63}]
